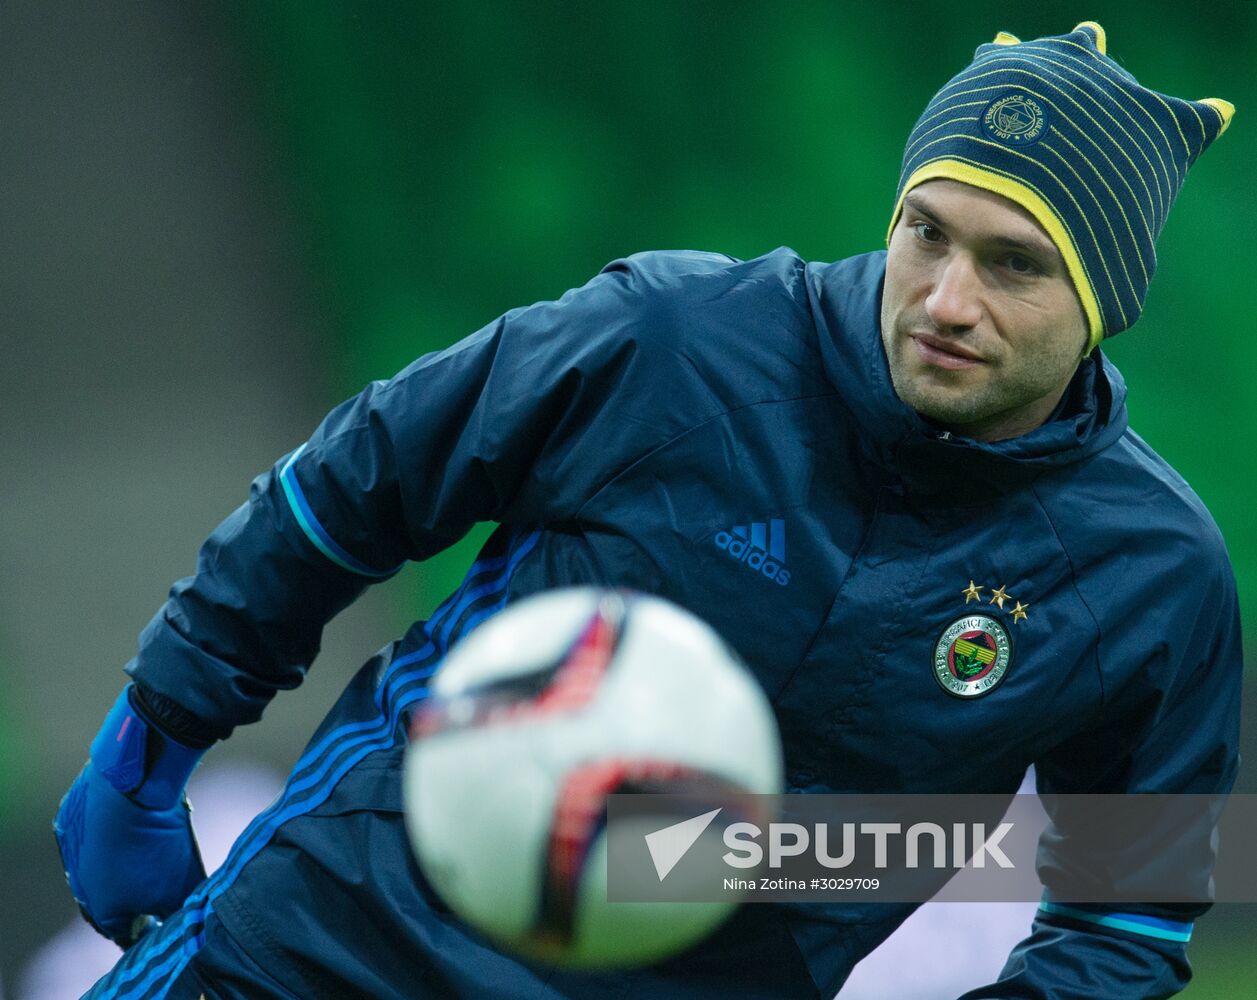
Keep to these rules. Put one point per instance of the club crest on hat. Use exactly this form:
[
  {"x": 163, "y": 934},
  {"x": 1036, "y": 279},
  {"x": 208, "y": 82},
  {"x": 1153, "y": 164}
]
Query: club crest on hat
[
  {"x": 972, "y": 656},
  {"x": 1015, "y": 119}
]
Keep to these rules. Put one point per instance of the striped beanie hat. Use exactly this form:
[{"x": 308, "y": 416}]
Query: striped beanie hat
[{"x": 1058, "y": 127}]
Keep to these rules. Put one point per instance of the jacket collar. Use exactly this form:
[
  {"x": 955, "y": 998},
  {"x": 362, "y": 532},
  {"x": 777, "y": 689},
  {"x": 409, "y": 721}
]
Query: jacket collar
[{"x": 846, "y": 305}]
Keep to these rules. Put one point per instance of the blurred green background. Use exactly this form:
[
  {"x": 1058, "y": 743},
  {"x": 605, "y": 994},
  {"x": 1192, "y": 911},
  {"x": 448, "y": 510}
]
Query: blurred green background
[{"x": 377, "y": 180}]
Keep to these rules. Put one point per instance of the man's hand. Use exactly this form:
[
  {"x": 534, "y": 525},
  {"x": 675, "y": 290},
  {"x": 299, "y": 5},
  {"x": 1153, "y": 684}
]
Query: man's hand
[{"x": 124, "y": 830}]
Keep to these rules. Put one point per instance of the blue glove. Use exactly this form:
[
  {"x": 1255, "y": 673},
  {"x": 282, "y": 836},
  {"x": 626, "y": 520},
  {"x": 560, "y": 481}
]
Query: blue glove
[{"x": 124, "y": 829}]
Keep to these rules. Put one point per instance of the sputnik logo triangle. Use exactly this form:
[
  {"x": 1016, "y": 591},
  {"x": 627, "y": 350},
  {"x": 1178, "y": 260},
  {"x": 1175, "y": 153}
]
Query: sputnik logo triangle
[{"x": 669, "y": 845}]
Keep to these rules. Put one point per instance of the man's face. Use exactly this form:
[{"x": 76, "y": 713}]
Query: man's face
[{"x": 981, "y": 324}]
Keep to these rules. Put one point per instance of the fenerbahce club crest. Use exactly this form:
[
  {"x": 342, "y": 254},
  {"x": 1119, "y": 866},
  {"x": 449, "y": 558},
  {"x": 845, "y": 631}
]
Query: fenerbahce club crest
[
  {"x": 972, "y": 656},
  {"x": 1015, "y": 119}
]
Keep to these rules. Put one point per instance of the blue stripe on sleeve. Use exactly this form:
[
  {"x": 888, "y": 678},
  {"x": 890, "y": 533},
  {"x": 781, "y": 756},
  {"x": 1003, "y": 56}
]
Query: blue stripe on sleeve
[
  {"x": 162, "y": 955},
  {"x": 1133, "y": 923},
  {"x": 315, "y": 531}
]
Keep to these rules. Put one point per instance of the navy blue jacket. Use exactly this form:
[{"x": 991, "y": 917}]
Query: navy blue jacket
[{"x": 627, "y": 434}]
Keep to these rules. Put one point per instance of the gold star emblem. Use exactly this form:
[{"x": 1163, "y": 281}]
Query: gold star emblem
[
  {"x": 1019, "y": 612},
  {"x": 972, "y": 593},
  {"x": 999, "y": 597}
]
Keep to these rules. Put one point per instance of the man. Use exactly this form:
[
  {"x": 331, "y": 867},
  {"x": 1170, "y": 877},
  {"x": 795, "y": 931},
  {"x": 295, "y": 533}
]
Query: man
[{"x": 930, "y": 436}]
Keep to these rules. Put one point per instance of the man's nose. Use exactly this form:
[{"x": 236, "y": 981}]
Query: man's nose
[{"x": 955, "y": 303}]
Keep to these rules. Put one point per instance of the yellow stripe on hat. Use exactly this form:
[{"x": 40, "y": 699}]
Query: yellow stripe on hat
[
  {"x": 1225, "y": 110},
  {"x": 1018, "y": 193},
  {"x": 1004, "y": 38},
  {"x": 1097, "y": 32}
]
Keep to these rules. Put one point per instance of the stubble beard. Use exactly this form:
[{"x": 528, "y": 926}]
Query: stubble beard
[
  {"x": 942, "y": 396},
  {"x": 951, "y": 405},
  {"x": 958, "y": 400}
]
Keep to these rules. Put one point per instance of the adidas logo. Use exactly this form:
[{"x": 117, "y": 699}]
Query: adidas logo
[{"x": 762, "y": 547}]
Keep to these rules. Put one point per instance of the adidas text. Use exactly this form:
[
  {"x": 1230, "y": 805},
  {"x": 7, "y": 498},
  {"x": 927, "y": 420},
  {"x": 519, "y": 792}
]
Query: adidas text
[{"x": 741, "y": 550}]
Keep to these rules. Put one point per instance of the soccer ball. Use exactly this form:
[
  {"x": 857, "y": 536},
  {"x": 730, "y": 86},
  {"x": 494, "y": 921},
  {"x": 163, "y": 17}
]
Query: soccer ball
[{"x": 533, "y": 719}]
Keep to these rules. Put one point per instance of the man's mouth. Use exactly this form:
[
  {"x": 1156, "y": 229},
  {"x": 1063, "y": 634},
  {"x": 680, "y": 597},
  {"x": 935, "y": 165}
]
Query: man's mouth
[{"x": 944, "y": 353}]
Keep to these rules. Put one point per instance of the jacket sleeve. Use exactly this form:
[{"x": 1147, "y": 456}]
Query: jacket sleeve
[
  {"x": 1178, "y": 734},
  {"x": 518, "y": 423}
]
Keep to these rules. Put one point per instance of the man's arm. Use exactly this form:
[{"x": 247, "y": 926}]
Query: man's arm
[
  {"x": 1187, "y": 746},
  {"x": 519, "y": 423}
]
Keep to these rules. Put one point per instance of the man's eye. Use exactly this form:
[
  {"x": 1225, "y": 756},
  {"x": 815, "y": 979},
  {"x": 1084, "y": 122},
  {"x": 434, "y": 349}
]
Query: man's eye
[
  {"x": 1021, "y": 265},
  {"x": 927, "y": 233}
]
